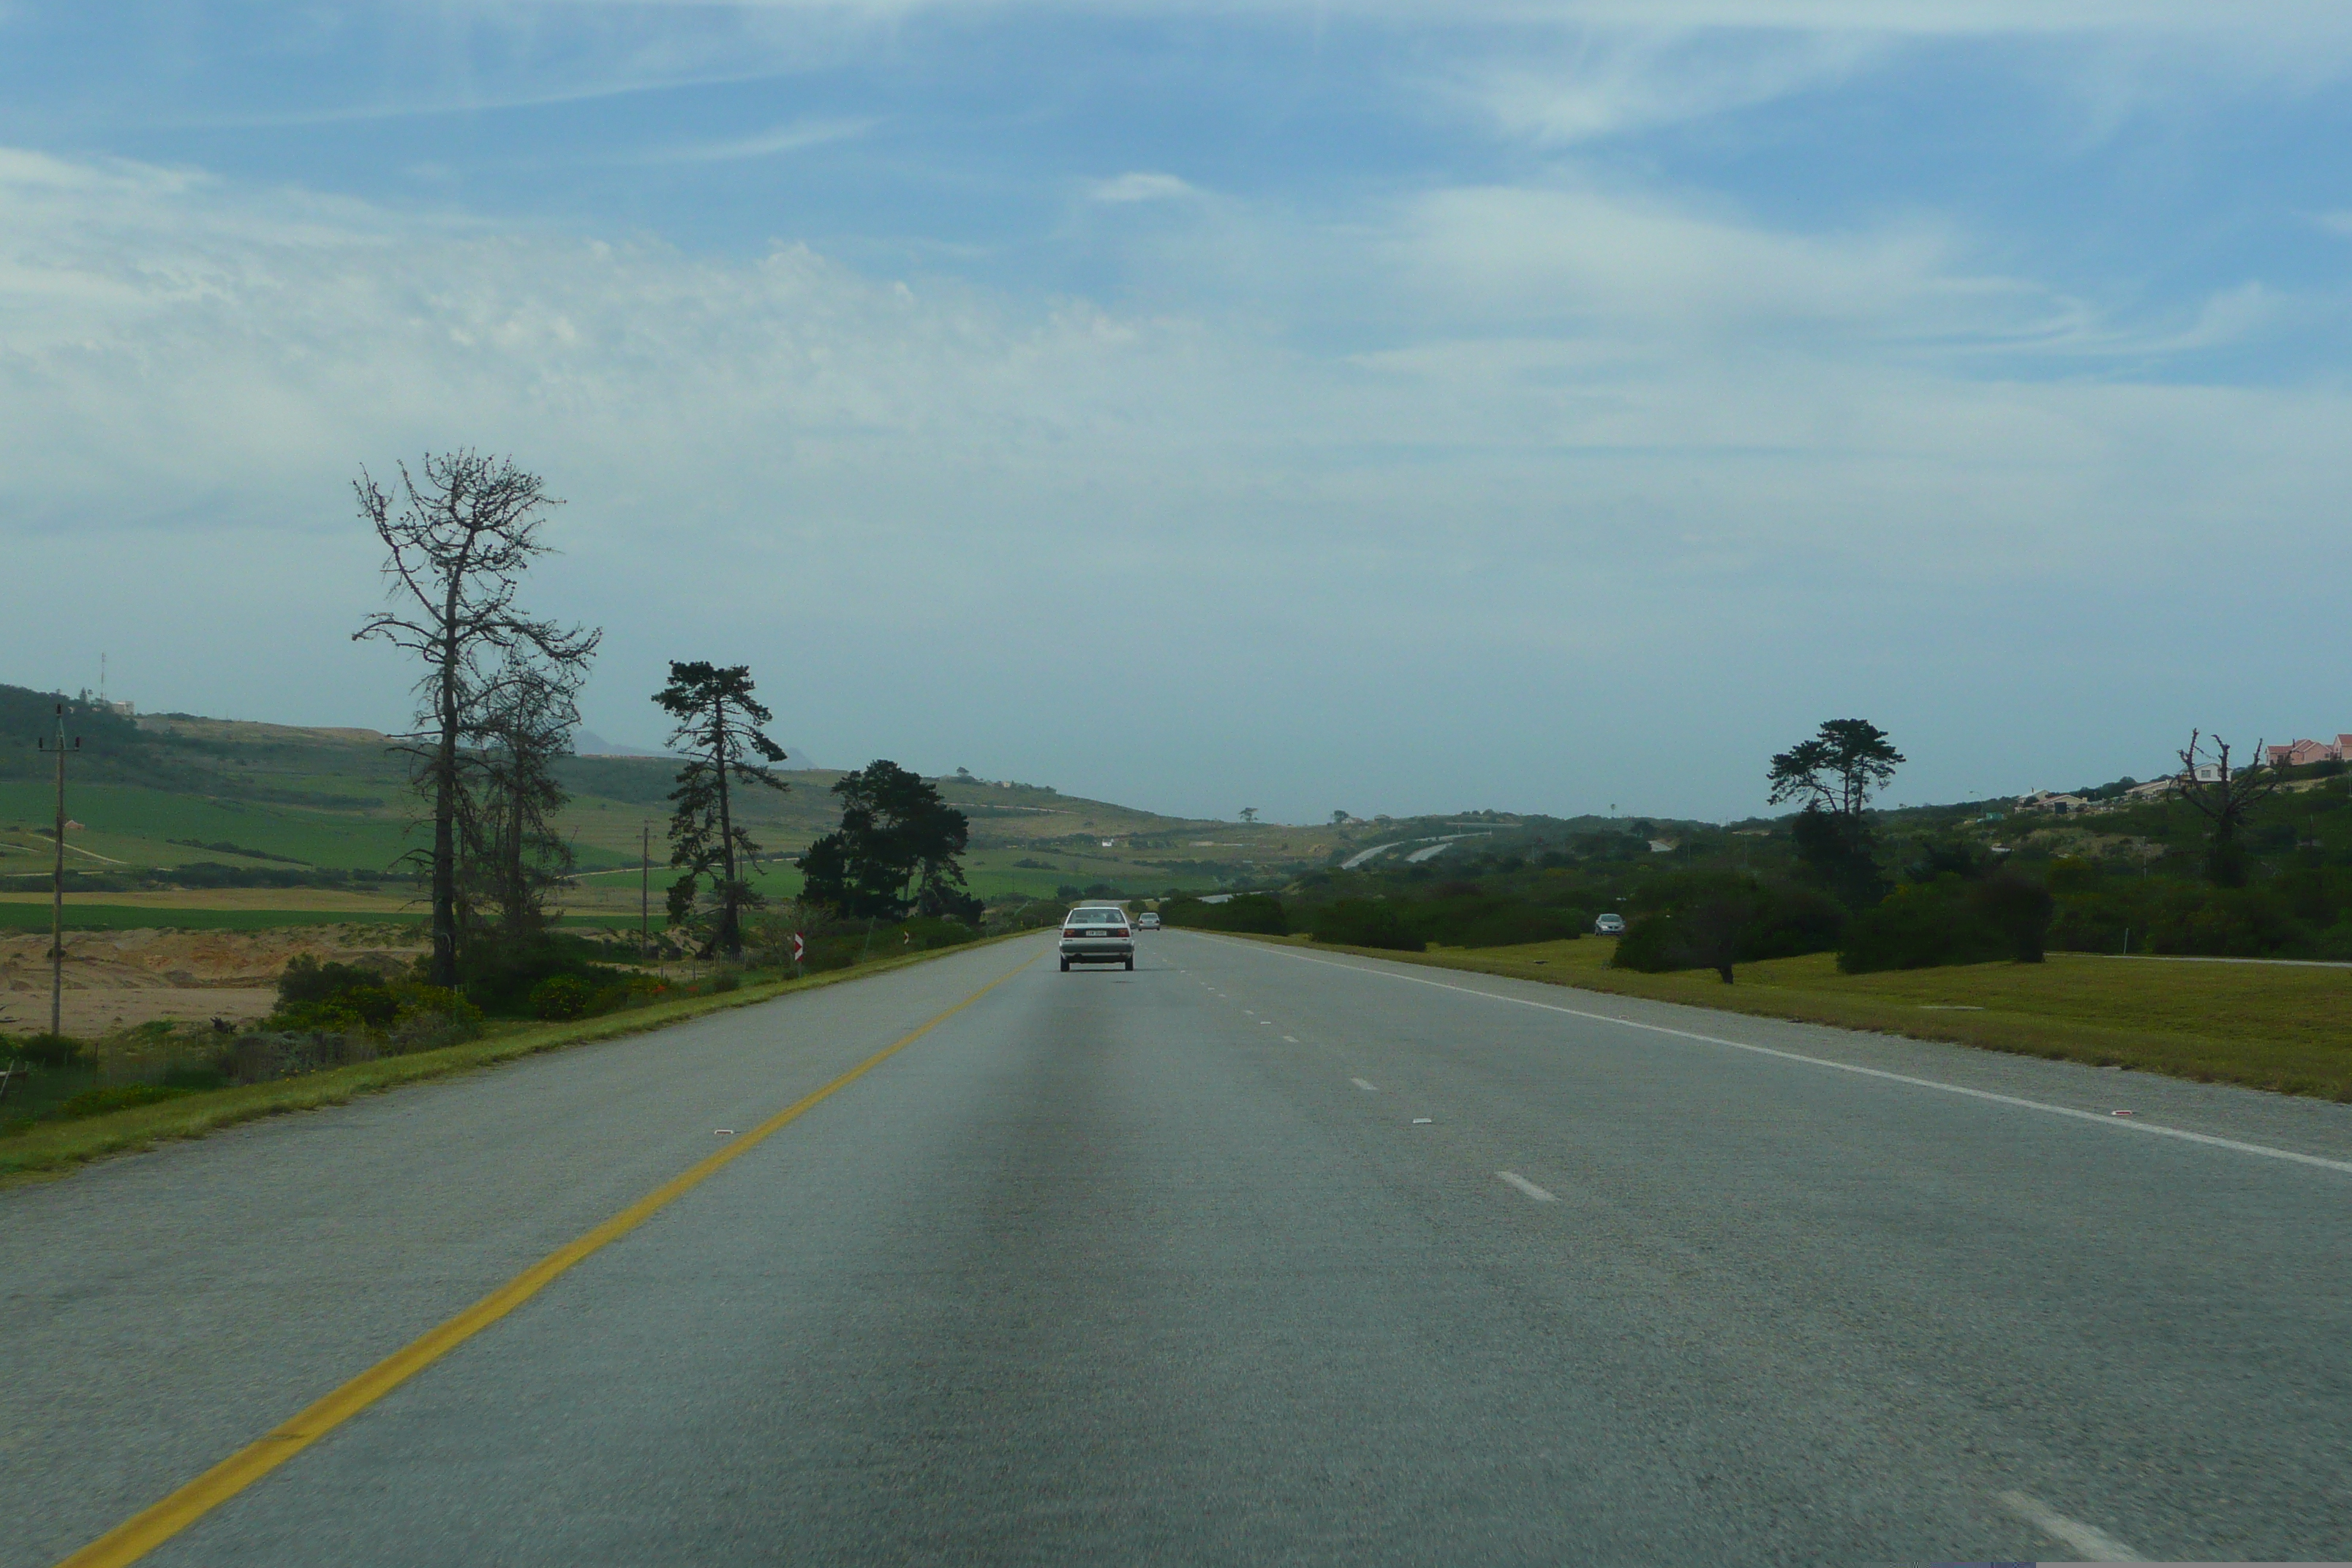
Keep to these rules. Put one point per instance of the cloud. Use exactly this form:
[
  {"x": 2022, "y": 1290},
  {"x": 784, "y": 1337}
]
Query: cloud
[
  {"x": 1582, "y": 440},
  {"x": 1139, "y": 187},
  {"x": 796, "y": 137},
  {"x": 1612, "y": 83}
]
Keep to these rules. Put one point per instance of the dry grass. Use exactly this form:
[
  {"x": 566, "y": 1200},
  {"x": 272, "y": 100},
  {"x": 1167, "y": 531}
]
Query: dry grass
[
  {"x": 2269, "y": 1026},
  {"x": 391, "y": 905}
]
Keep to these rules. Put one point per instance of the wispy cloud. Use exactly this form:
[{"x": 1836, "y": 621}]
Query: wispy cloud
[
  {"x": 1611, "y": 84},
  {"x": 1140, "y": 187},
  {"x": 796, "y": 137}
]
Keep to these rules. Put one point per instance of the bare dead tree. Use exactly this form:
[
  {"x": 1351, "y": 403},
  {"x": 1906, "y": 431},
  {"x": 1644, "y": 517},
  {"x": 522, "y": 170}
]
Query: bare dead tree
[
  {"x": 2224, "y": 800},
  {"x": 460, "y": 536}
]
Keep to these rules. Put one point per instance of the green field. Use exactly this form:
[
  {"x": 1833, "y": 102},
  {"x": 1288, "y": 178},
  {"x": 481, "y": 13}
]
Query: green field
[
  {"x": 2273, "y": 1027},
  {"x": 151, "y": 797}
]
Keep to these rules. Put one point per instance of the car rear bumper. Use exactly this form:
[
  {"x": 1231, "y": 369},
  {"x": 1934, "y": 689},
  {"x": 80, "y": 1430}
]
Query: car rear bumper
[{"x": 1098, "y": 952}]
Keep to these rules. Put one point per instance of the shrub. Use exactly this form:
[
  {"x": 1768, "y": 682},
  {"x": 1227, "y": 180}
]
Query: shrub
[
  {"x": 1790, "y": 920},
  {"x": 503, "y": 976},
  {"x": 1923, "y": 926},
  {"x": 726, "y": 980},
  {"x": 1462, "y": 915},
  {"x": 336, "y": 996},
  {"x": 928, "y": 931},
  {"x": 190, "y": 1076},
  {"x": 562, "y": 997},
  {"x": 44, "y": 1050},
  {"x": 1714, "y": 920},
  {"x": 1651, "y": 945},
  {"x": 2018, "y": 909},
  {"x": 1367, "y": 922}
]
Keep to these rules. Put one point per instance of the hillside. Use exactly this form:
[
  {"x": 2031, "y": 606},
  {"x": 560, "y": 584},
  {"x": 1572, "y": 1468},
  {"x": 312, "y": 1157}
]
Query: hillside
[{"x": 183, "y": 811}]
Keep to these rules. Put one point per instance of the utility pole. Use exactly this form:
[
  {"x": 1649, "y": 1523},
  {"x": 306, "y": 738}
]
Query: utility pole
[{"x": 58, "y": 881}]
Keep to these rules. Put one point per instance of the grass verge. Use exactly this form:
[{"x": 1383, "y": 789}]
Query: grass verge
[
  {"x": 2285, "y": 1029},
  {"x": 53, "y": 1147}
]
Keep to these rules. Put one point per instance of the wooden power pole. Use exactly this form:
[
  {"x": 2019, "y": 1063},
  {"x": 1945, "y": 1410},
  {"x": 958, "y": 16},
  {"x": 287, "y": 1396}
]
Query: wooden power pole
[{"x": 58, "y": 881}]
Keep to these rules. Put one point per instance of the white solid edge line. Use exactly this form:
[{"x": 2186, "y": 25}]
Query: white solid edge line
[
  {"x": 2097, "y": 1120},
  {"x": 1367, "y": 1089},
  {"x": 1513, "y": 1178},
  {"x": 2096, "y": 1545}
]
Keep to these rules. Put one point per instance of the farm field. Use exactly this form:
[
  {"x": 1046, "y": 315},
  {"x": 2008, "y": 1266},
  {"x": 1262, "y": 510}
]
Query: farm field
[{"x": 2271, "y": 1027}]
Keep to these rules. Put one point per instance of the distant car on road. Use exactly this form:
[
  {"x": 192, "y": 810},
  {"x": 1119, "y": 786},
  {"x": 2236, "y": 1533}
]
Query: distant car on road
[
  {"x": 1147, "y": 921},
  {"x": 1609, "y": 925},
  {"x": 1097, "y": 933}
]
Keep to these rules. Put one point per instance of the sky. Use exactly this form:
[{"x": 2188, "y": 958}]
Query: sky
[{"x": 1387, "y": 407}]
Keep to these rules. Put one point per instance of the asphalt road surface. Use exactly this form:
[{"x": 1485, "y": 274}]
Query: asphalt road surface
[{"x": 1248, "y": 1257}]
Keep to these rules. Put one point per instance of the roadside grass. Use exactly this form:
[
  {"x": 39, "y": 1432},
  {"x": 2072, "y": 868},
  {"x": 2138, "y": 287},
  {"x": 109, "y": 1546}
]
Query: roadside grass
[
  {"x": 50, "y": 1148},
  {"x": 2262, "y": 1026}
]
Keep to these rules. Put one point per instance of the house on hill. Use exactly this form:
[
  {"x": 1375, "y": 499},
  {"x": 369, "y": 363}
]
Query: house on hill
[
  {"x": 2052, "y": 801},
  {"x": 2297, "y": 753}
]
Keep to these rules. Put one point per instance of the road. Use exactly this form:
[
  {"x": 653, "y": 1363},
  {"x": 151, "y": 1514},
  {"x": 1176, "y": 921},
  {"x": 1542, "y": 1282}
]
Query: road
[{"x": 1250, "y": 1256}]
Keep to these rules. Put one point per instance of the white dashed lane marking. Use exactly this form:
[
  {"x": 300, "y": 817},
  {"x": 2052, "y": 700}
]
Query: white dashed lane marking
[
  {"x": 1512, "y": 1178},
  {"x": 2096, "y": 1544},
  {"x": 1367, "y": 1088}
]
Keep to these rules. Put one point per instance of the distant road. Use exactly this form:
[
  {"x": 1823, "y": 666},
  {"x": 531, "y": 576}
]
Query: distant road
[{"x": 1250, "y": 1256}]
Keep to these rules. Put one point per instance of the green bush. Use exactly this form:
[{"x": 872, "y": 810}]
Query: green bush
[
  {"x": 1652, "y": 944},
  {"x": 1367, "y": 922},
  {"x": 2018, "y": 908},
  {"x": 315, "y": 996},
  {"x": 560, "y": 998},
  {"x": 1923, "y": 925},
  {"x": 726, "y": 980},
  {"x": 1461, "y": 914},
  {"x": 925, "y": 932},
  {"x": 43, "y": 1050},
  {"x": 1714, "y": 920},
  {"x": 501, "y": 976}
]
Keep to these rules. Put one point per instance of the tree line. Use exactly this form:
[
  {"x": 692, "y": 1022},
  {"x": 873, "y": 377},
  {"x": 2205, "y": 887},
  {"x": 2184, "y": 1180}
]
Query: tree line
[
  {"x": 1955, "y": 904},
  {"x": 496, "y": 703}
]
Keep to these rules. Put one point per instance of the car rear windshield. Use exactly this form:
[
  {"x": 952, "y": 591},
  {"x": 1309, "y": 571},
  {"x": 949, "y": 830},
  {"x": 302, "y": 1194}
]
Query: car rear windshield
[{"x": 1098, "y": 918}]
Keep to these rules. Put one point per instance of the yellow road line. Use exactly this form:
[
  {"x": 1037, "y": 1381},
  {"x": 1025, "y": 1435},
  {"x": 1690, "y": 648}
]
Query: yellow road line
[{"x": 142, "y": 1533}]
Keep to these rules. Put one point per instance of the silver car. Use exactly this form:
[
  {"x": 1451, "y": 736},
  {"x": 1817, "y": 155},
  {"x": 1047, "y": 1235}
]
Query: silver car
[
  {"x": 1609, "y": 925},
  {"x": 1097, "y": 933}
]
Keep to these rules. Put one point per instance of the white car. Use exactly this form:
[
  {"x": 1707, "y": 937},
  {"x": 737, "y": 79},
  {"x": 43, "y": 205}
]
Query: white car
[
  {"x": 1609, "y": 925},
  {"x": 1147, "y": 921},
  {"x": 1096, "y": 934}
]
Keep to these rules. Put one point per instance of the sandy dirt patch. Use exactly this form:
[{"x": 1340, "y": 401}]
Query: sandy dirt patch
[{"x": 118, "y": 979}]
